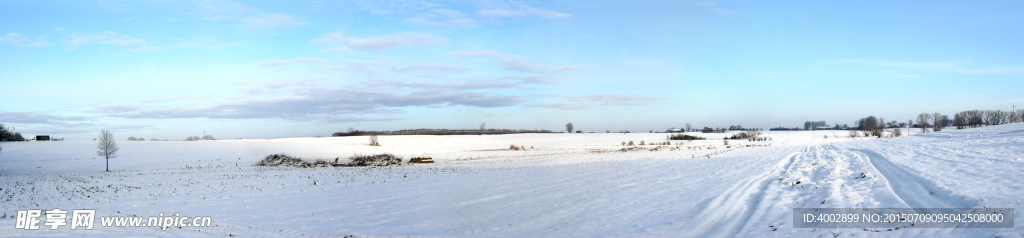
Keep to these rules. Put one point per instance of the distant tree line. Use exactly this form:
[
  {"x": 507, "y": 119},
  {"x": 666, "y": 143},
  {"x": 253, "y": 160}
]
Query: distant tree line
[
  {"x": 351, "y": 132},
  {"x": 811, "y": 125},
  {"x": 681, "y": 136},
  {"x": 196, "y": 138}
]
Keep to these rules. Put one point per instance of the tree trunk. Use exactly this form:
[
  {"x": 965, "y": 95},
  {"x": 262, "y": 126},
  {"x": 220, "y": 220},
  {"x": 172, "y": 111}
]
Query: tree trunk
[{"x": 108, "y": 163}]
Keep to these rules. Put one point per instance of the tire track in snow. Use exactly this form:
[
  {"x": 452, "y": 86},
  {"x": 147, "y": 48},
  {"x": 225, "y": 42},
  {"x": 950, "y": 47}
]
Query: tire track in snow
[
  {"x": 726, "y": 214},
  {"x": 915, "y": 191}
]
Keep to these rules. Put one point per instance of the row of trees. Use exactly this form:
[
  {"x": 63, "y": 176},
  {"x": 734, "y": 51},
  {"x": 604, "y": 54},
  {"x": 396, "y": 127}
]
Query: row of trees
[
  {"x": 937, "y": 121},
  {"x": 977, "y": 118},
  {"x": 196, "y": 138}
]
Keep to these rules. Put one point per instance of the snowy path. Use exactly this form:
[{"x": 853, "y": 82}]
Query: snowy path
[{"x": 914, "y": 191}]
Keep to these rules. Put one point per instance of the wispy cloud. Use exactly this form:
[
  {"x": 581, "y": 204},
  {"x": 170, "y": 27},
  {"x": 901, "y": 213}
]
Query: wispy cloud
[
  {"x": 517, "y": 63},
  {"x": 442, "y": 18},
  {"x": 47, "y": 123},
  {"x": 431, "y": 69},
  {"x": 562, "y": 105},
  {"x": 249, "y": 18},
  {"x": 276, "y": 62},
  {"x": 386, "y": 42},
  {"x": 444, "y": 14},
  {"x": 15, "y": 39},
  {"x": 202, "y": 42},
  {"x": 175, "y": 98},
  {"x": 940, "y": 66},
  {"x": 708, "y": 6},
  {"x": 585, "y": 102},
  {"x": 499, "y": 9},
  {"x": 111, "y": 38},
  {"x": 308, "y": 101},
  {"x": 271, "y": 21}
]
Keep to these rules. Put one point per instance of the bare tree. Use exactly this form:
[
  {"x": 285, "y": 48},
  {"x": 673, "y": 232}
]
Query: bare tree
[
  {"x": 853, "y": 133},
  {"x": 922, "y": 121},
  {"x": 482, "y": 126},
  {"x": 208, "y": 137},
  {"x": 568, "y": 127},
  {"x": 107, "y": 147},
  {"x": 688, "y": 128},
  {"x": 896, "y": 132},
  {"x": 373, "y": 140},
  {"x": 936, "y": 121}
]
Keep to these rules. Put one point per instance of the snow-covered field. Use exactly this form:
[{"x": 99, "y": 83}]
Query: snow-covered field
[{"x": 568, "y": 185}]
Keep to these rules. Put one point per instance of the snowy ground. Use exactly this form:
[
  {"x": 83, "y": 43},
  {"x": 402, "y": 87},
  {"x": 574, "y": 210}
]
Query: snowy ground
[{"x": 568, "y": 185}]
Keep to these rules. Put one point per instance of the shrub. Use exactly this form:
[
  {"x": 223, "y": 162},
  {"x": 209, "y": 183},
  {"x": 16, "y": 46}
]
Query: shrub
[
  {"x": 896, "y": 132},
  {"x": 373, "y": 140},
  {"x": 281, "y": 160},
  {"x": 357, "y": 160},
  {"x": 384, "y": 159},
  {"x": 630, "y": 143},
  {"x": 853, "y": 133},
  {"x": 641, "y": 142}
]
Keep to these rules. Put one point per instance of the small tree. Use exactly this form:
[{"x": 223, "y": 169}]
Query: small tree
[
  {"x": 937, "y": 121},
  {"x": 208, "y": 137},
  {"x": 896, "y": 132},
  {"x": 688, "y": 128},
  {"x": 922, "y": 121},
  {"x": 373, "y": 140},
  {"x": 482, "y": 126},
  {"x": 853, "y": 133},
  {"x": 107, "y": 147},
  {"x": 568, "y": 127}
]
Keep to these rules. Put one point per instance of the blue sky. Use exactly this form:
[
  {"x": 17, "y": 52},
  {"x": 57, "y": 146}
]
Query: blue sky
[{"x": 172, "y": 69}]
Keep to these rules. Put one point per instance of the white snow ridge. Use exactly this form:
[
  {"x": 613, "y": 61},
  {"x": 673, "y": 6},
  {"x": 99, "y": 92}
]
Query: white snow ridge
[{"x": 559, "y": 185}]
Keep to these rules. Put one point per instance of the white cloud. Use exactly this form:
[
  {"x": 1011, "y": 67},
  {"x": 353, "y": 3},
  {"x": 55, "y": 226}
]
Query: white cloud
[
  {"x": 271, "y": 21},
  {"x": 15, "y": 39},
  {"x": 387, "y": 42}
]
